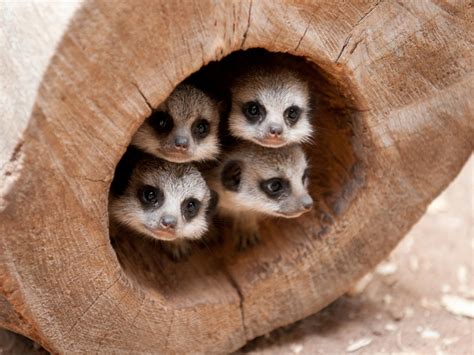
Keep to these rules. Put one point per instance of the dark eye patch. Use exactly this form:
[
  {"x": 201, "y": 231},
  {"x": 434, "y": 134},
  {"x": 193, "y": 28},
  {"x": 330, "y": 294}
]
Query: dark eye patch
[
  {"x": 305, "y": 177},
  {"x": 214, "y": 200},
  {"x": 200, "y": 128},
  {"x": 292, "y": 114},
  {"x": 231, "y": 175},
  {"x": 190, "y": 208},
  {"x": 275, "y": 187},
  {"x": 150, "y": 196},
  {"x": 254, "y": 112},
  {"x": 161, "y": 122}
]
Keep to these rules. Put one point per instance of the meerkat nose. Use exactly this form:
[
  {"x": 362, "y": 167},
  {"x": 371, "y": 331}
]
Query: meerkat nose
[
  {"x": 275, "y": 130},
  {"x": 307, "y": 202},
  {"x": 168, "y": 222},
  {"x": 181, "y": 142}
]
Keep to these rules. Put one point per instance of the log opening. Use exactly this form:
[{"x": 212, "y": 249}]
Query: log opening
[{"x": 336, "y": 175}]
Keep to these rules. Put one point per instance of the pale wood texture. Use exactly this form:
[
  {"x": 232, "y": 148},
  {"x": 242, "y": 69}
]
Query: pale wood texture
[{"x": 395, "y": 127}]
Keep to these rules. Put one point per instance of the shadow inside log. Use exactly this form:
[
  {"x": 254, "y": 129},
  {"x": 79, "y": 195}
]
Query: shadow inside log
[{"x": 336, "y": 175}]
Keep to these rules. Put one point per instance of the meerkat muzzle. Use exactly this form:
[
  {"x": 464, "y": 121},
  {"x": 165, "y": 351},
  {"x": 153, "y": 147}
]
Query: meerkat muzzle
[
  {"x": 307, "y": 202},
  {"x": 275, "y": 130},
  {"x": 272, "y": 141},
  {"x": 181, "y": 143},
  {"x": 164, "y": 234},
  {"x": 168, "y": 222}
]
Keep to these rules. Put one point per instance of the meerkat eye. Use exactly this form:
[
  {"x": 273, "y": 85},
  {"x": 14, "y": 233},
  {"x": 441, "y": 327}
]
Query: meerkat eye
[
  {"x": 292, "y": 115},
  {"x": 190, "y": 208},
  {"x": 150, "y": 196},
  {"x": 200, "y": 128},
  {"x": 161, "y": 122},
  {"x": 275, "y": 187},
  {"x": 253, "y": 111}
]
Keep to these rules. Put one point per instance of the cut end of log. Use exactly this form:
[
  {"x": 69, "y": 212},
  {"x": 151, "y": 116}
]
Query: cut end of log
[{"x": 393, "y": 128}]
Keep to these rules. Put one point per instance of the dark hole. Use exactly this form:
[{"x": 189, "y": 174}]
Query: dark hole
[{"x": 335, "y": 176}]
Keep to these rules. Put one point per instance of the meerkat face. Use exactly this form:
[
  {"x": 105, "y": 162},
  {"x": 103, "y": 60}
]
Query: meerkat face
[
  {"x": 271, "y": 109},
  {"x": 269, "y": 181},
  {"x": 183, "y": 129},
  {"x": 163, "y": 200}
]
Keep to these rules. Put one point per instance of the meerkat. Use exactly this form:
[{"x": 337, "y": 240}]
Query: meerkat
[
  {"x": 254, "y": 181},
  {"x": 270, "y": 104},
  {"x": 182, "y": 129},
  {"x": 162, "y": 200}
]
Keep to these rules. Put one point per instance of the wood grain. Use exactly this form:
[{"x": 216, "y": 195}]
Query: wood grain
[{"x": 395, "y": 127}]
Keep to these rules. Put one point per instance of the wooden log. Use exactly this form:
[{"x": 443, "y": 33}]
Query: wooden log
[{"x": 395, "y": 125}]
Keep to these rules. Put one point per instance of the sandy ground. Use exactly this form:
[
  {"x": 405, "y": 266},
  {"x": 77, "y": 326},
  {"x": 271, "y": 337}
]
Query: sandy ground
[{"x": 412, "y": 303}]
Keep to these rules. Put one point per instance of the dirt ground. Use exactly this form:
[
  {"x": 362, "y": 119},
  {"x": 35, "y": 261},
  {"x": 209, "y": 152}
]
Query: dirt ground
[{"x": 419, "y": 301}]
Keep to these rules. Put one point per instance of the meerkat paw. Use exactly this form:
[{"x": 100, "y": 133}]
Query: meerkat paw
[
  {"x": 211, "y": 238},
  {"x": 178, "y": 251},
  {"x": 247, "y": 239}
]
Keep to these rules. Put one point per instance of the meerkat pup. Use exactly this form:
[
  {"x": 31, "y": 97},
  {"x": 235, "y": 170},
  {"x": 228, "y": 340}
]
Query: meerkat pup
[
  {"x": 254, "y": 181},
  {"x": 160, "y": 199},
  {"x": 184, "y": 128},
  {"x": 270, "y": 104}
]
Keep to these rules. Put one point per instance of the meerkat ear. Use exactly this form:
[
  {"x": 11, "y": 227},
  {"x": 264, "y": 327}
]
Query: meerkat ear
[
  {"x": 124, "y": 170},
  {"x": 231, "y": 175},
  {"x": 224, "y": 106}
]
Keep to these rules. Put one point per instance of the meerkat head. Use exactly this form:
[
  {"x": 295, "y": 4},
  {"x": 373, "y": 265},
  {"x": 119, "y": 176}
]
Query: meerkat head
[
  {"x": 184, "y": 128},
  {"x": 270, "y": 107},
  {"x": 161, "y": 199},
  {"x": 268, "y": 181}
]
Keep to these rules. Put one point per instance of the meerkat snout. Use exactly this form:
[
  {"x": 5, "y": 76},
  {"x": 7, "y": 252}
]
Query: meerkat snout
[
  {"x": 168, "y": 222},
  {"x": 307, "y": 202},
  {"x": 275, "y": 130},
  {"x": 182, "y": 129},
  {"x": 181, "y": 143}
]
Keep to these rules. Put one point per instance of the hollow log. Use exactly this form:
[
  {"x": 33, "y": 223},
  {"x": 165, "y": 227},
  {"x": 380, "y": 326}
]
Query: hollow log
[{"x": 394, "y": 126}]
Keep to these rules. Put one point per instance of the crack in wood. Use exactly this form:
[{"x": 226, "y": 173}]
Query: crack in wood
[
  {"x": 349, "y": 36},
  {"x": 143, "y": 96},
  {"x": 407, "y": 40},
  {"x": 248, "y": 25},
  {"x": 106, "y": 334},
  {"x": 303, "y": 36},
  {"x": 168, "y": 333},
  {"x": 236, "y": 286},
  {"x": 343, "y": 46},
  {"x": 87, "y": 178},
  {"x": 68, "y": 333}
]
